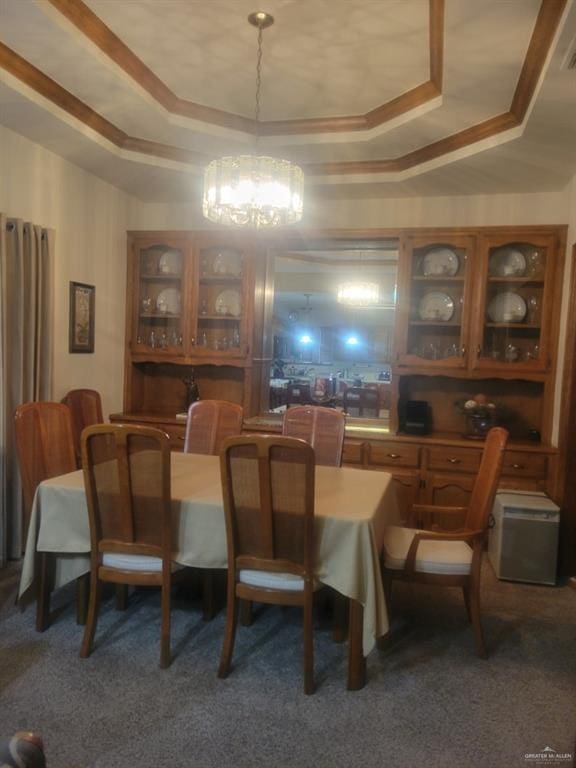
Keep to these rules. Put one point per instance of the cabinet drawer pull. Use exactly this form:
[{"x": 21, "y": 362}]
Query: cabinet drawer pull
[
  {"x": 394, "y": 455},
  {"x": 454, "y": 461},
  {"x": 181, "y": 438},
  {"x": 518, "y": 466}
]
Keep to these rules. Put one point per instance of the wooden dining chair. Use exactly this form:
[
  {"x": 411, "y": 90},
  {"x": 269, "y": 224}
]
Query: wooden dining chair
[
  {"x": 268, "y": 489},
  {"x": 86, "y": 409},
  {"x": 365, "y": 400},
  {"x": 449, "y": 558},
  {"x": 322, "y": 427},
  {"x": 127, "y": 479},
  {"x": 45, "y": 449},
  {"x": 209, "y": 423}
]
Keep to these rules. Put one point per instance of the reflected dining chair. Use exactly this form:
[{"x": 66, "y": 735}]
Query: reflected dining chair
[
  {"x": 366, "y": 400},
  {"x": 322, "y": 427},
  {"x": 209, "y": 423},
  {"x": 45, "y": 449},
  {"x": 268, "y": 490},
  {"x": 449, "y": 558},
  {"x": 86, "y": 409},
  {"x": 127, "y": 479},
  {"x": 298, "y": 394}
]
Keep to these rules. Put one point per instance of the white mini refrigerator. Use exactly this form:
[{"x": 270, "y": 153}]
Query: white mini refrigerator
[{"x": 523, "y": 542}]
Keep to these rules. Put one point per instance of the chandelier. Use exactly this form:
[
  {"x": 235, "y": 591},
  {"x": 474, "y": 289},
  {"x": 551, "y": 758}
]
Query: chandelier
[
  {"x": 254, "y": 191},
  {"x": 358, "y": 294}
]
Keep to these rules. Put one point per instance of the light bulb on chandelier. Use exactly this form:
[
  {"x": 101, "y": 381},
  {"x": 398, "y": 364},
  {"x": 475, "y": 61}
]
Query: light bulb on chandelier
[{"x": 254, "y": 191}]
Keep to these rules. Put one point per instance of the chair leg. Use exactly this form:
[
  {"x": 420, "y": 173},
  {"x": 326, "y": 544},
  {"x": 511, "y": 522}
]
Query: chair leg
[
  {"x": 93, "y": 607},
  {"x": 43, "y": 592},
  {"x": 466, "y": 593},
  {"x": 246, "y": 617},
  {"x": 165, "y": 631},
  {"x": 474, "y": 598},
  {"x": 208, "y": 595},
  {"x": 82, "y": 593},
  {"x": 387, "y": 580},
  {"x": 339, "y": 617},
  {"x": 309, "y": 645},
  {"x": 121, "y": 598},
  {"x": 229, "y": 632}
]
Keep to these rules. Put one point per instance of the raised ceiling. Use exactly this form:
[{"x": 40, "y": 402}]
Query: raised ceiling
[{"x": 372, "y": 97}]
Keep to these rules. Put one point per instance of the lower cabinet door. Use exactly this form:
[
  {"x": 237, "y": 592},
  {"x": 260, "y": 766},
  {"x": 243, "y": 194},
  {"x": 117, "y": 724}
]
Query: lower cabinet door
[
  {"x": 448, "y": 490},
  {"x": 407, "y": 487}
]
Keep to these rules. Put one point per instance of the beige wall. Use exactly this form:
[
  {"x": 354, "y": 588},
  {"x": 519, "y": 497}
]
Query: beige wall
[{"x": 90, "y": 221}]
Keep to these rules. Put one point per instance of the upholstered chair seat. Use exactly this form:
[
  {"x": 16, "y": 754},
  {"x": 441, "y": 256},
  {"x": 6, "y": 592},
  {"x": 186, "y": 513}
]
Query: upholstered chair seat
[{"x": 441, "y": 557}]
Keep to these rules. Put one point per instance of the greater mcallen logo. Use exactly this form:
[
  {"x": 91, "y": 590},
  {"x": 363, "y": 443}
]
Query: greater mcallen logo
[{"x": 547, "y": 755}]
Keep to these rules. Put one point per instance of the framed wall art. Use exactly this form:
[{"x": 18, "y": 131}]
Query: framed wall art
[{"x": 81, "y": 326}]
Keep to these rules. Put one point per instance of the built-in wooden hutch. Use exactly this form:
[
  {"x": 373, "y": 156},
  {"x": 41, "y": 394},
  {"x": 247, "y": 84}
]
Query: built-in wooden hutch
[{"x": 477, "y": 312}]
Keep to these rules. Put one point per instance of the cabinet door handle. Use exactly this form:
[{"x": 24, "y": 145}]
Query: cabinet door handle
[
  {"x": 454, "y": 461},
  {"x": 479, "y": 350},
  {"x": 181, "y": 438},
  {"x": 463, "y": 350},
  {"x": 518, "y": 466},
  {"x": 394, "y": 455}
]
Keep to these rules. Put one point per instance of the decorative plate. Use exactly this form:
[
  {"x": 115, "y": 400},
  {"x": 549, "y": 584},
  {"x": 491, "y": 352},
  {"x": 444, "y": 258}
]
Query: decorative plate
[
  {"x": 507, "y": 262},
  {"x": 507, "y": 307},
  {"x": 228, "y": 303},
  {"x": 170, "y": 263},
  {"x": 440, "y": 262},
  {"x": 436, "y": 305},
  {"x": 168, "y": 301}
]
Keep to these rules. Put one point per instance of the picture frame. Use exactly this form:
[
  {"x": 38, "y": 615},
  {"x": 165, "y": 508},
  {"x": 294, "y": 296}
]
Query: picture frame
[{"x": 81, "y": 318}]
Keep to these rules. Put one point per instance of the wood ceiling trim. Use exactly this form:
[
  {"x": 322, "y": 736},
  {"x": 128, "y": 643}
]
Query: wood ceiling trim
[
  {"x": 87, "y": 22},
  {"x": 543, "y": 34}
]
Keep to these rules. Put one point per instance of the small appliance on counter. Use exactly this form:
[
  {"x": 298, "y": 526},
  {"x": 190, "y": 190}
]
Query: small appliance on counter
[
  {"x": 523, "y": 543},
  {"x": 414, "y": 417}
]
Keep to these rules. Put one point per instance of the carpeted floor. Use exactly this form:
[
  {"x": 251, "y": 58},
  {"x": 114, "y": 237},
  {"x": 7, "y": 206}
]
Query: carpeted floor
[{"x": 429, "y": 700}]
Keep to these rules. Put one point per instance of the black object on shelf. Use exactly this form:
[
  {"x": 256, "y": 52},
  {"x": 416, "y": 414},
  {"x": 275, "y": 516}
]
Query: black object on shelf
[{"x": 414, "y": 416}]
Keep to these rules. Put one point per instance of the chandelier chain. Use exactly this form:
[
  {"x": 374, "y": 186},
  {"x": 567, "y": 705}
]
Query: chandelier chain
[{"x": 258, "y": 85}]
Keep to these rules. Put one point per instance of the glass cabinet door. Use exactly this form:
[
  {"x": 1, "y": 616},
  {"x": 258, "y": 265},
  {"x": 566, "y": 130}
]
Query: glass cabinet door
[
  {"x": 512, "y": 332},
  {"x": 158, "y": 303},
  {"x": 433, "y": 322},
  {"x": 221, "y": 302}
]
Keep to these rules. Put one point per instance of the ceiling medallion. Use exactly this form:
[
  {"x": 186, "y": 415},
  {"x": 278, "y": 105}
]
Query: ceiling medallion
[
  {"x": 254, "y": 191},
  {"x": 358, "y": 294}
]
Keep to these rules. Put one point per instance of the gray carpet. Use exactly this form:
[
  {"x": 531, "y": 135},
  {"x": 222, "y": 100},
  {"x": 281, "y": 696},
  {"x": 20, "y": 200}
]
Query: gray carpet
[{"x": 429, "y": 700}]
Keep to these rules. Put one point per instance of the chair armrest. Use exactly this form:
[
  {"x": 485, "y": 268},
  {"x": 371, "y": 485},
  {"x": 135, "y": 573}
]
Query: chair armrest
[
  {"x": 475, "y": 538},
  {"x": 421, "y": 512}
]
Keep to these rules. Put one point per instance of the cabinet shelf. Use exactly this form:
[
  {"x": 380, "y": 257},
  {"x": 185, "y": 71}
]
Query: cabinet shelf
[
  {"x": 158, "y": 316},
  {"x": 160, "y": 278},
  {"x": 438, "y": 278},
  {"x": 435, "y": 324},
  {"x": 229, "y": 318},
  {"x": 220, "y": 279},
  {"x": 516, "y": 280},
  {"x": 515, "y": 326}
]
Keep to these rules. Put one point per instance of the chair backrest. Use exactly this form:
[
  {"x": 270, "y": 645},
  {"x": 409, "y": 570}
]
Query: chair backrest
[
  {"x": 44, "y": 443},
  {"x": 298, "y": 394},
  {"x": 86, "y": 409},
  {"x": 127, "y": 479},
  {"x": 209, "y": 423},
  {"x": 268, "y": 489},
  {"x": 323, "y": 428},
  {"x": 486, "y": 483},
  {"x": 366, "y": 400}
]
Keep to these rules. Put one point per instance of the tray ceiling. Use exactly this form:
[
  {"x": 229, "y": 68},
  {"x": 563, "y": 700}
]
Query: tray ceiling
[{"x": 393, "y": 97}]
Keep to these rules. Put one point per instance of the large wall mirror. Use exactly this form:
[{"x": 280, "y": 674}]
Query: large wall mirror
[{"x": 333, "y": 327}]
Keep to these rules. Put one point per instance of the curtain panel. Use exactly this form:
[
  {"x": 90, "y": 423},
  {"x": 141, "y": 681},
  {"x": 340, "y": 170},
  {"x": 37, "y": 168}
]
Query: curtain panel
[{"x": 26, "y": 256}]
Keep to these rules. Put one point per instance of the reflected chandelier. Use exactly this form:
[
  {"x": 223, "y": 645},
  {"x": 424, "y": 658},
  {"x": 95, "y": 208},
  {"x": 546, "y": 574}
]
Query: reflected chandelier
[
  {"x": 254, "y": 191},
  {"x": 358, "y": 294}
]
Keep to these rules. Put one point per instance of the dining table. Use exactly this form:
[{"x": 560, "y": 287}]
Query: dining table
[{"x": 351, "y": 510}]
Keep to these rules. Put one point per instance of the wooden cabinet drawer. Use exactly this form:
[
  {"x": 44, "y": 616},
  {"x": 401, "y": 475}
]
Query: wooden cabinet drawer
[
  {"x": 394, "y": 454},
  {"x": 353, "y": 453},
  {"x": 176, "y": 435},
  {"x": 529, "y": 465},
  {"x": 446, "y": 459}
]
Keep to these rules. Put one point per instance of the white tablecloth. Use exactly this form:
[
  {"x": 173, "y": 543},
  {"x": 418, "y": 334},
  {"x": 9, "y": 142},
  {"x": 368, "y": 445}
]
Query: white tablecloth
[{"x": 352, "y": 508}]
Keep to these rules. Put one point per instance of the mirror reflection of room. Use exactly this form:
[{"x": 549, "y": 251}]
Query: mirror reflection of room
[{"x": 333, "y": 322}]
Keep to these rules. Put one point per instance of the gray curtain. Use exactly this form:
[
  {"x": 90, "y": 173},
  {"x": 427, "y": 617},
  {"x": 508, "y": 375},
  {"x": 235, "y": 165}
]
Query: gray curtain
[{"x": 25, "y": 355}]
